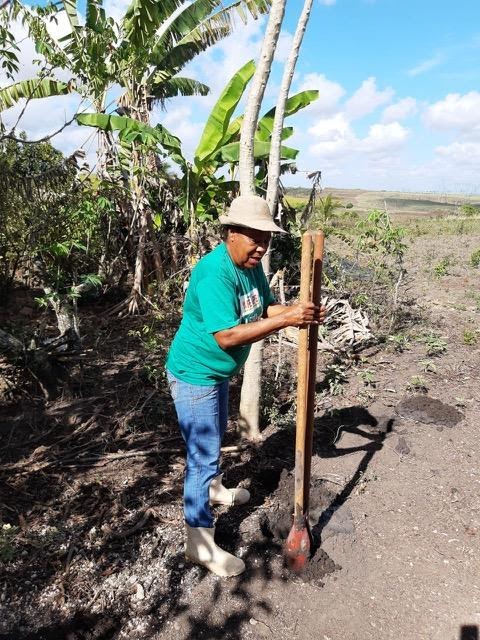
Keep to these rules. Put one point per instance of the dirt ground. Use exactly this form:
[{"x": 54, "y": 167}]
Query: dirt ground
[{"x": 91, "y": 487}]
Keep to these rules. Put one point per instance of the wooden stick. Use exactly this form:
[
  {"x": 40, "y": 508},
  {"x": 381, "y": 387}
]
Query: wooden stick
[
  {"x": 302, "y": 373},
  {"x": 318, "y": 245}
]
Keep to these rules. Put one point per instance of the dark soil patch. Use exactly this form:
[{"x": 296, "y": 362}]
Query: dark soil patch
[
  {"x": 429, "y": 411},
  {"x": 276, "y": 522}
]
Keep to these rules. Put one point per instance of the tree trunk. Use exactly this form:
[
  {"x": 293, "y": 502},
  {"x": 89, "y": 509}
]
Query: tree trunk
[
  {"x": 249, "y": 419},
  {"x": 142, "y": 164},
  {"x": 246, "y": 165},
  {"x": 276, "y": 138},
  {"x": 251, "y": 388}
]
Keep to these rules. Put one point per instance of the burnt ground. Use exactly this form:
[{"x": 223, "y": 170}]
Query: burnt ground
[{"x": 91, "y": 488}]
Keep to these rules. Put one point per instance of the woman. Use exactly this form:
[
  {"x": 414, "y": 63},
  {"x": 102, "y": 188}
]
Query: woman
[{"x": 228, "y": 306}]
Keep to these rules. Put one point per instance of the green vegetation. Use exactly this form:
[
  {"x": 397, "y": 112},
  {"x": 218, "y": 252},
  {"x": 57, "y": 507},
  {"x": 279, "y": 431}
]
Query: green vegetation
[
  {"x": 442, "y": 267},
  {"x": 435, "y": 344},
  {"x": 7, "y": 542},
  {"x": 470, "y": 337},
  {"x": 368, "y": 378},
  {"x": 417, "y": 383},
  {"x": 475, "y": 258},
  {"x": 469, "y": 210}
]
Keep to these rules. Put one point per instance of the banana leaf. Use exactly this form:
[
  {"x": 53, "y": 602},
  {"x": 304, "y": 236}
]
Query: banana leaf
[
  {"x": 219, "y": 119},
  {"x": 261, "y": 149},
  {"x": 32, "y": 89},
  {"x": 293, "y": 104}
]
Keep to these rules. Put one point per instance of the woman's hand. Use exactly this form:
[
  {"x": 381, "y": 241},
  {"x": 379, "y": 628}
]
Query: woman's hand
[{"x": 303, "y": 313}]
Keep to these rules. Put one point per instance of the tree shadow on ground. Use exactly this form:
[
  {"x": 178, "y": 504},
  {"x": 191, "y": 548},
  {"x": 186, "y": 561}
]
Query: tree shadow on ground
[
  {"x": 264, "y": 466},
  {"x": 106, "y": 510}
]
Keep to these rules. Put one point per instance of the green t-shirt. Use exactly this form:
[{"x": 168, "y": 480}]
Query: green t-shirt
[{"x": 220, "y": 295}]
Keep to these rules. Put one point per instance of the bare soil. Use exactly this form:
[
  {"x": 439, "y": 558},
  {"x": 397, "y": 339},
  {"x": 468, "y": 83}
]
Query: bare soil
[{"x": 92, "y": 485}]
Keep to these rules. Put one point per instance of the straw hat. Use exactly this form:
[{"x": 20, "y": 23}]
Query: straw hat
[{"x": 252, "y": 212}]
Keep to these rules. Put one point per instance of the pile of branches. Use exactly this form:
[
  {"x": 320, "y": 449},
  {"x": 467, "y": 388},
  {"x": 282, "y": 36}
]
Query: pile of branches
[{"x": 345, "y": 328}]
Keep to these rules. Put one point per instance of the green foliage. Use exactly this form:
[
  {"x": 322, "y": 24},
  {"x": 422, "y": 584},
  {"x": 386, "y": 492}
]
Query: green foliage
[
  {"x": 475, "y": 258},
  {"x": 400, "y": 342},
  {"x": 335, "y": 378},
  {"x": 469, "y": 210},
  {"x": 150, "y": 338},
  {"x": 368, "y": 378},
  {"x": 7, "y": 542},
  {"x": 417, "y": 383},
  {"x": 428, "y": 366},
  {"x": 470, "y": 337},
  {"x": 329, "y": 214},
  {"x": 434, "y": 343},
  {"x": 381, "y": 238},
  {"x": 52, "y": 221},
  {"x": 32, "y": 89},
  {"x": 8, "y": 47},
  {"x": 442, "y": 267}
]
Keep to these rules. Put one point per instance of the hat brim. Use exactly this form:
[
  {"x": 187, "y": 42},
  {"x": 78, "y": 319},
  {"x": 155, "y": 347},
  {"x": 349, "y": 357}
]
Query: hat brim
[{"x": 260, "y": 225}]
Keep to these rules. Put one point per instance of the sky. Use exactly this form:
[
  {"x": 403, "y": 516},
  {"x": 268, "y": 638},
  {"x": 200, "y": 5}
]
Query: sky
[{"x": 399, "y": 85}]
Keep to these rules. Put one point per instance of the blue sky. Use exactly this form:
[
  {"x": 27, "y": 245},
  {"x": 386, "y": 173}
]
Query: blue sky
[{"x": 399, "y": 83}]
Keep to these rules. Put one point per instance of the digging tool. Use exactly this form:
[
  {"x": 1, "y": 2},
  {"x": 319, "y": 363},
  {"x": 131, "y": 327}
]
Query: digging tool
[
  {"x": 318, "y": 248},
  {"x": 297, "y": 546}
]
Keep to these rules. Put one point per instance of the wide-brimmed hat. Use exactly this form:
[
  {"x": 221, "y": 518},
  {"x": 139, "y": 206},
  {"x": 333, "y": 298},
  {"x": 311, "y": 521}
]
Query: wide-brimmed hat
[{"x": 252, "y": 212}]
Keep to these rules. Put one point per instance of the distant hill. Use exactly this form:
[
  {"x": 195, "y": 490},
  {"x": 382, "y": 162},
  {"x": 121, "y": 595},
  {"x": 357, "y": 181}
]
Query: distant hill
[{"x": 397, "y": 203}]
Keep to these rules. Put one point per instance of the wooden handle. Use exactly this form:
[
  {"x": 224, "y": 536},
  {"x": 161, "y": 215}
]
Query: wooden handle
[
  {"x": 302, "y": 381},
  {"x": 318, "y": 248}
]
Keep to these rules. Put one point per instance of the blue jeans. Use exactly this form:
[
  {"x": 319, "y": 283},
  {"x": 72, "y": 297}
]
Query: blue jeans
[{"x": 202, "y": 413}]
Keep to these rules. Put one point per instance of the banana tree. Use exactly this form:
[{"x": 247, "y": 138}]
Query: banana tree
[
  {"x": 144, "y": 53},
  {"x": 219, "y": 147}
]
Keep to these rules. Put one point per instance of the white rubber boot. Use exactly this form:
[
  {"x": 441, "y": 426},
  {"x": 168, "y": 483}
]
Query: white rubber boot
[
  {"x": 221, "y": 495},
  {"x": 201, "y": 549}
]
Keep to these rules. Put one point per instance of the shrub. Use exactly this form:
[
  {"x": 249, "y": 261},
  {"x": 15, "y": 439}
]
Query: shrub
[{"x": 475, "y": 258}]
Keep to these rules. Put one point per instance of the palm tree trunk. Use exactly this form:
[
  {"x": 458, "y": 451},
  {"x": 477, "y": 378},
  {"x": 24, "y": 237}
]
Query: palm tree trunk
[
  {"x": 251, "y": 388},
  {"x": 249, "y": 419}
]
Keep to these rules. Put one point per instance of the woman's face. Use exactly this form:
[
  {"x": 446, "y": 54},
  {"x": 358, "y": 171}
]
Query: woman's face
[{"x": 247, "y": 246}]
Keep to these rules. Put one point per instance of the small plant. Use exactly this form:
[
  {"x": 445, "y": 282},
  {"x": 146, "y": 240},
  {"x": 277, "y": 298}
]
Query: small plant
[
  {"x": 399, "y": 341},
  {"x": 475, "y": 258},
  {"x": 417, "y": 383},
  {"x": 335, "y": 378},
  {"x": 428, "y": 366},
  {"x": 469, "y": 210},
  {"x": 435, "y": 344},
  {"x": 442, "y": 267},
  {"x": 368, "y": 377},
  {"x": 470, "y": 337},
  {"x": 149, "y": 337},
  {"x": 7, "y": 535}
]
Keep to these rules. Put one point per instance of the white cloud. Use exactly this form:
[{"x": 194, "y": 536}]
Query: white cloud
[
  {"x": 383, "y": 139},
  {"x": 455, "y": 111},
  {"x": 426, "y": 65},
  {"x": 329, "y": 92},
  {"x": 367, "y": 99},
  {"x": 460, "y": 153},
  {"x": 334, "y": 137},
  {"x": 330, "y": 128},
  {"x": 400, "y": 110}
]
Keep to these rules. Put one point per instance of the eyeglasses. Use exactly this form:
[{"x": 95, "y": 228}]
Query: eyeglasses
[{"x": 259, "y": 238}]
